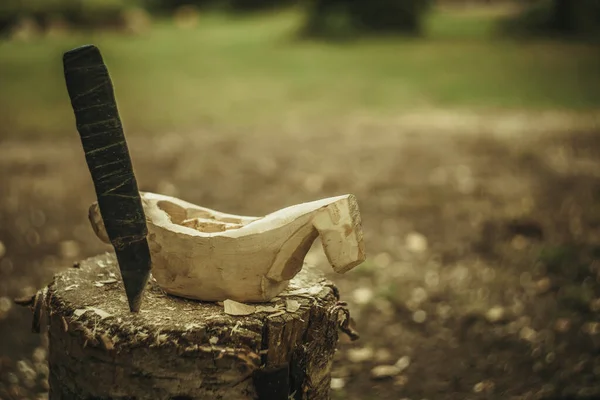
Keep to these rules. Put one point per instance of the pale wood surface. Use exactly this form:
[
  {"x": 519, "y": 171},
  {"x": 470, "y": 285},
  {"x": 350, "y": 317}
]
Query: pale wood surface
[{"x": 208, "y": 255}]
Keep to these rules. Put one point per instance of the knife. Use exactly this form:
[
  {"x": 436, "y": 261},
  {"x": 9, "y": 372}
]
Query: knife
[{"x": 107, "y": 156}]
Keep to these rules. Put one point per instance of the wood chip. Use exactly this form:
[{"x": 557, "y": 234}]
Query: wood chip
[
  {"x": 79, "y": 312},
  {"x": 234, "y": 308},
  {"x": 292, "y": 305},
  {"x": 277, "y": 314},
  {"x": 101, "y": 313},
  {"x": 268, "y": 309},
  {"x": 311, "y": 291}
]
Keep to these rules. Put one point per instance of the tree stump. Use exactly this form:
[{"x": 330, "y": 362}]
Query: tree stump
[{"x": 177, "y": 348}]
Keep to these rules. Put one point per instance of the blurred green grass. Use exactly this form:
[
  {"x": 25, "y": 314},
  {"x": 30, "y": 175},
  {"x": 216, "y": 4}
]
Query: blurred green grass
[{"x": 235, "y": 72}]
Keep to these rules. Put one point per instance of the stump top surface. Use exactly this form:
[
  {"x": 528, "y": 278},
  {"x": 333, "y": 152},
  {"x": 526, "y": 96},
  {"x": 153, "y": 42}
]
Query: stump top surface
[
  {"x": 93, "y": 294},
  {"x": 182, "y": 348}
]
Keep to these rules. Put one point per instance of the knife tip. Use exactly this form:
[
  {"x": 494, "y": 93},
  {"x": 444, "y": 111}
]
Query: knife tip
[
  {"x": 134, "y": 289},
  {"x": 135, "y": 265}
]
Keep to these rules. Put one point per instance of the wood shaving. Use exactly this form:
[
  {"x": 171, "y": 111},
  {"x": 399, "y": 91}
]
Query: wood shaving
[
  {"x": 236, "y": 327},
  {"x": 108, "y": 281},
  {"x": 292, "y": 305}
]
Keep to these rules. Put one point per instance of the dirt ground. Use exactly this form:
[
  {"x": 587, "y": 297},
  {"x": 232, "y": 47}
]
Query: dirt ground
[{"x": 483, "y": 236}]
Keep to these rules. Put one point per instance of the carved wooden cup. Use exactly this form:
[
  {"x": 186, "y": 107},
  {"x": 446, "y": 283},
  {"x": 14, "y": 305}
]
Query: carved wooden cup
[{"x": 207, "y": 255}]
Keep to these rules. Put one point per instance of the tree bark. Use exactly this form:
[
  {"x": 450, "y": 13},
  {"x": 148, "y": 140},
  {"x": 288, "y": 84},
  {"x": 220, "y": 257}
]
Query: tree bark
[{"x": 183, "y": 349}]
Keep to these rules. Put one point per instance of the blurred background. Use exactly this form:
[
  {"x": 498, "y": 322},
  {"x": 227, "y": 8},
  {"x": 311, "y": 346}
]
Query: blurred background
[{"x": 469, "y": 131}]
